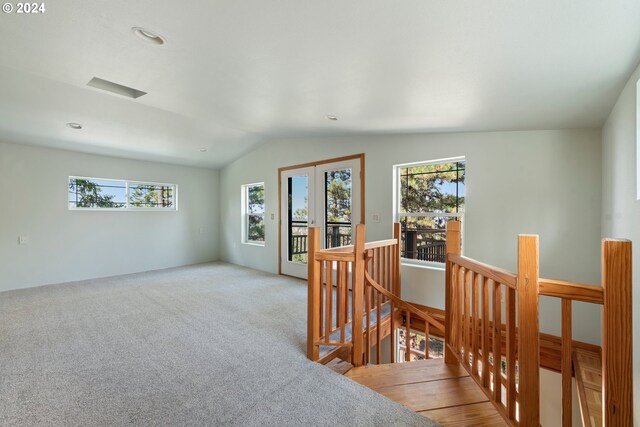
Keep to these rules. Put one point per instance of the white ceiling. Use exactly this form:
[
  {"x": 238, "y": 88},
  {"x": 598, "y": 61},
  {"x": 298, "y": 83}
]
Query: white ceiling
[{"x": 236, "y": 73}]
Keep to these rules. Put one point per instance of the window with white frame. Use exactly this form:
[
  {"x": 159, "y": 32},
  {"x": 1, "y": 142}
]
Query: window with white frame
[
  {"x": 100, "y": 193},
  {"x": 253, "y": 207},
  {"x": 428, "y": 195}
]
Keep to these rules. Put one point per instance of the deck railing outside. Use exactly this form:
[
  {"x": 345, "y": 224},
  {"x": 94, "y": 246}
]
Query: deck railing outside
[{"x": 424, "y": 244}]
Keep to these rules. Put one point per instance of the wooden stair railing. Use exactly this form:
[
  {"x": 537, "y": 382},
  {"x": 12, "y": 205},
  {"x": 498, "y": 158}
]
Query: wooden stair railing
[
  {"x": 478, "y": 296},
  {"x": 354, "y": 299}
]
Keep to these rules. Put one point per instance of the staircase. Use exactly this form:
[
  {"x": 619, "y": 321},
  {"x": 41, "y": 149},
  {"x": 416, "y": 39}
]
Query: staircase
[{"x": 490, "y": 371}]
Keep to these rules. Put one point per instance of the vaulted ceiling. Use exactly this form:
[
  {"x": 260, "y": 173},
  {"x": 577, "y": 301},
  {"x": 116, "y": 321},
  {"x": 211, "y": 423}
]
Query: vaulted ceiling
[{"x": 233, "y": 74}]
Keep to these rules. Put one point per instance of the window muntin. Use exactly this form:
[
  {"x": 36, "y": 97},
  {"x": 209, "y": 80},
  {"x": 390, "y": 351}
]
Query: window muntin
[
  {"x": 429, "y": 195},
  {"x": 99, "y": 193},
  {"x": 254, "y": 213}
]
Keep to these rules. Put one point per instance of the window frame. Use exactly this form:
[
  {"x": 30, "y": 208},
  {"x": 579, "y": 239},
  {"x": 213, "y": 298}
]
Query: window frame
[
  {"x": 397, "y": 200},
  {"x": 127, "y": 207},
  {"x": 245, "y": 215}
]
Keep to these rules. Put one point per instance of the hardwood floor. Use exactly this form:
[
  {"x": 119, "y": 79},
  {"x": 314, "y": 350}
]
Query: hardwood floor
[
  {"x": 588, "y": 369},
  {"x": 444, "y": 393}
]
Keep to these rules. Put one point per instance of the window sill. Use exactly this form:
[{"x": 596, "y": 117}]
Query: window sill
[
  {"x": 260, "y": 244},
  {"x": 425, "y": 265}
]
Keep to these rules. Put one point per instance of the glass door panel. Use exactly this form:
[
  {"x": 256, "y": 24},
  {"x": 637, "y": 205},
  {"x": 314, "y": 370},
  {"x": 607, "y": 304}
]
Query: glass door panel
[
  {"x": 338, "y": 202},
  {"x": 298, "y": 217},
  {"x": 297, "y": 214}
]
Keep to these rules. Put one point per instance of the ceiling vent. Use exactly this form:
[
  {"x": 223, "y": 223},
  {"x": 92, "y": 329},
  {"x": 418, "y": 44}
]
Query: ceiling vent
[{"x": 112, "y": 87}]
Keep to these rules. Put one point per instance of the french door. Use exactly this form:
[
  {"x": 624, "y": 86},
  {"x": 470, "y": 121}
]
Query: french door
[{"x": 327, "y": 195}]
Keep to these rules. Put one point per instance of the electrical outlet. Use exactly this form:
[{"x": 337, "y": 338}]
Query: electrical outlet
[
  {"x": 375, "y": 217},
  {"x": 273, "y": 216},
  {"x": 23, "y": 240}
]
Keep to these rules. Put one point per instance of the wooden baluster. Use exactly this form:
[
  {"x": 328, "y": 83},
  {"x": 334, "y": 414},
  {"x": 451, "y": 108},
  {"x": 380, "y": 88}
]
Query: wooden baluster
[
  {"x": 452, "y": 328},
  {"x": 329, "y": 305},
  {"x": 486, "y": 322},
  {"x": 396, "y": 257},
  {"x": 378, "y": 265},
  {"x": 392, "y": 337},
  {"x": 407, "y": 338},
  {"x": 528, "y": 331},
  {"x": 387, "y": 257},
  {"x": 511, "y": 353},
  {"x": 344, "y": 303},
  {"x": 378, "y": 327},
  {"x": 314, "y": 288},
  {"x": 345, "y": 287},
  {"x": 367, "y": 308},
  {"x": 426, "y": 339},
  {"x": 466, "y": 320},
  {"x": 460, "y": 313},
  {"x": 358, "y": 295},
  {"x": 617, "y": 333},
  {"x": 497, "y": 342},
  {"x": 566, "y": 363},
  {"x": 474, "y": 325},
  {"x": 323, "y": 309}
]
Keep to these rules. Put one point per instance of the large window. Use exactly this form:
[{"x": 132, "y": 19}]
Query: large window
[
  {"x": 253, "y": 207},
  {"x": 98, "y": 193},
  {"x": 428, "y": 195}
]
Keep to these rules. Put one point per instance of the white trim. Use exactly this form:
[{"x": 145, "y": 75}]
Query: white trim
[
  {"x": 244, "y": 196},
  {"x": 430, "y": 214},
  {"x": 397, "y": 193},
  {"x": 431, "y": 162}
]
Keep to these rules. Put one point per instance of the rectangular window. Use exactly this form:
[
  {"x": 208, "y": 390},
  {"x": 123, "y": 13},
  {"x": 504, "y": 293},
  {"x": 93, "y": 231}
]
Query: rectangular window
[
  {"x": 253, "y": 201},
  {"x": 428, "y": 195},
  {"x": 98, "y": 193}
]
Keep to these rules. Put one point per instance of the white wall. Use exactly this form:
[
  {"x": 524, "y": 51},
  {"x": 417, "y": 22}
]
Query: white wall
[
  {"x": 620, "y": 207},
  {"x": 73, "y": 245},
  {"x": 543, "y": 182}
]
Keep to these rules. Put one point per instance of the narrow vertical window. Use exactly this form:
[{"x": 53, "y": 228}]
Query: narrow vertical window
[{"x": 254, "y": 212}]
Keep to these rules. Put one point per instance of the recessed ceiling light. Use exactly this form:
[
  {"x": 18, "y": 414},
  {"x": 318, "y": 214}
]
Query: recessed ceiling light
[
  {"x": 203, "y": 150},
  {"x": 331, "y": 117},
  {"x": 76, "y": 126},
  {"x": 148, "y": 35}
]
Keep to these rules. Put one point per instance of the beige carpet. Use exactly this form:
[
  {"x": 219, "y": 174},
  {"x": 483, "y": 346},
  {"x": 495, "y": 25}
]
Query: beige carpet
[{"x": 212, "y": 344}]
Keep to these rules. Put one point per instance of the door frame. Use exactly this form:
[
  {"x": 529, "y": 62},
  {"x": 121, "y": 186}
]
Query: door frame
[{"x": 312, "y": 164}]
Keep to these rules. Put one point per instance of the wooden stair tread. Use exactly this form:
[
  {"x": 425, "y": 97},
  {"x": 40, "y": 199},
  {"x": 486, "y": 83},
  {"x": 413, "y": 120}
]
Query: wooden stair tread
[
  {"x": 482, "y": 414},
  {"x": 340, "y": 366},
  {"x": 376, "y": 376},
  {"x": 443, "y": 392},
  {"x": 435, "y": 394},
  {"x": 588, "y": 372}
]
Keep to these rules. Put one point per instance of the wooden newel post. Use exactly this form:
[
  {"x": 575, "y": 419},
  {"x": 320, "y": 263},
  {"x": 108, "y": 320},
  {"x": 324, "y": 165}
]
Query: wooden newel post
[
  {"x": 314, "y": 278},
  {"x": 528, "y": 331},
  {"x": 453, "y": 247},
  {"x": 617, "y": 390},
  {"x": 358, "y": 295}
]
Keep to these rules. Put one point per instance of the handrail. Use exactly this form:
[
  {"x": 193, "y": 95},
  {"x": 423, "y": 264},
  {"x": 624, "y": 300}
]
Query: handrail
[
  {"x": 490, "y": 272},
  {"x": 404, "y": 304},
  {"x": 573, "y": 291}
]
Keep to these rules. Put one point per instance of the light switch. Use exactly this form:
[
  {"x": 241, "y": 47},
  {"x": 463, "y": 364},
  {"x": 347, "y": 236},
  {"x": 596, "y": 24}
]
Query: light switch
[{"x": 23, "y": 240}]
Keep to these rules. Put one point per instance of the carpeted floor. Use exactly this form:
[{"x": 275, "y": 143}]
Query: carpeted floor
[{"x": 212, "y": 344}]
